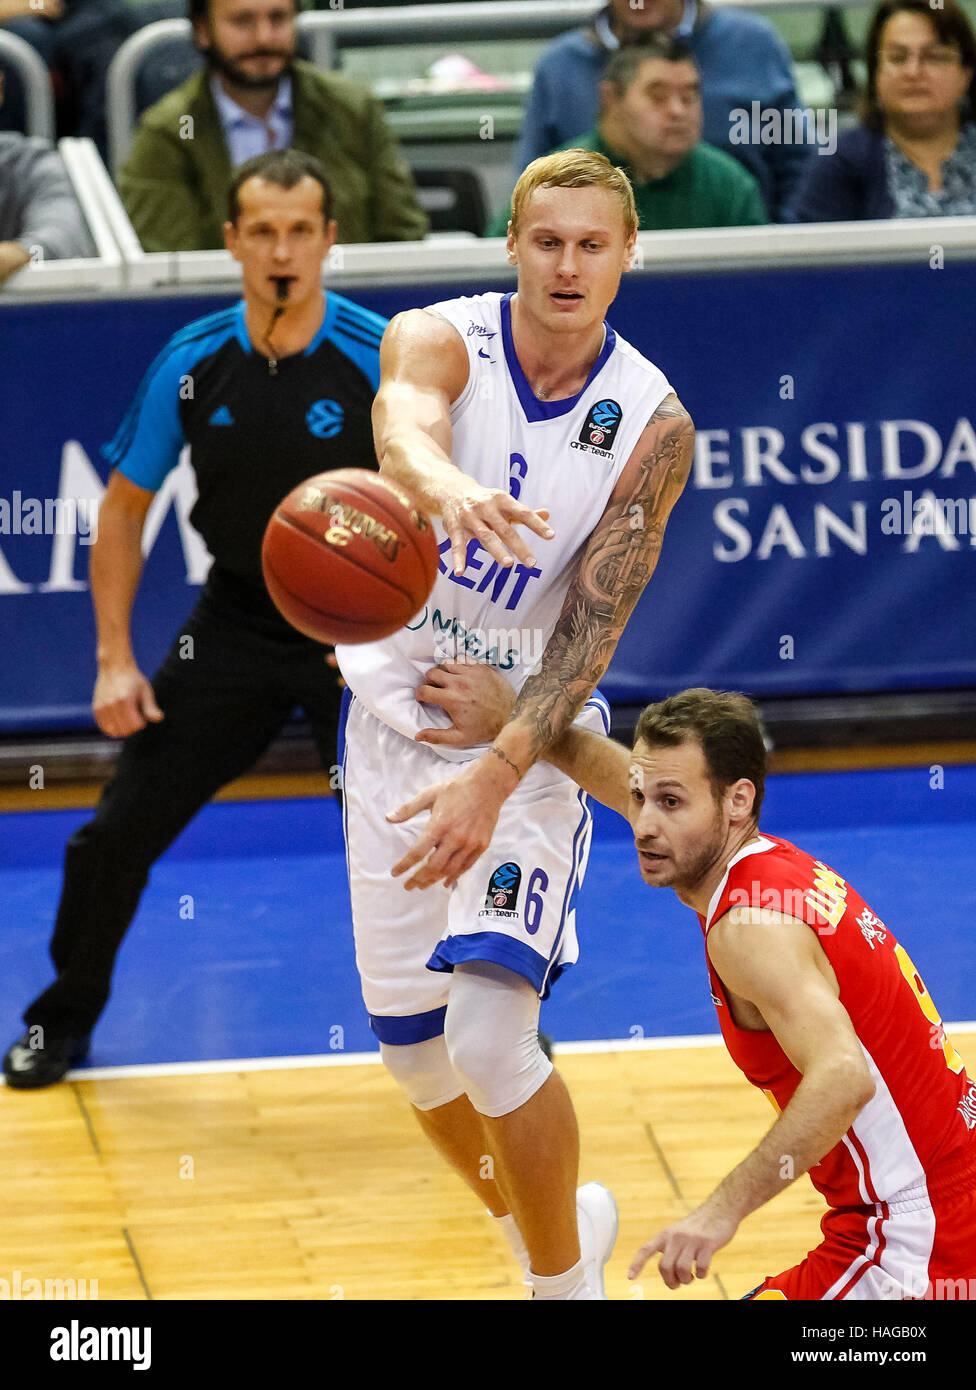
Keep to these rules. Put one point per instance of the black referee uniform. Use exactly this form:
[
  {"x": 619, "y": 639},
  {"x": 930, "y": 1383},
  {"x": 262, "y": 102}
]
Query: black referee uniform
[{"x": 256, "y": 428}]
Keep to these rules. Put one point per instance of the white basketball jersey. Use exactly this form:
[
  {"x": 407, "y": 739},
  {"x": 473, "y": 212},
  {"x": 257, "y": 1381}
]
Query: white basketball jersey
[{"x": 564, "y": 456}]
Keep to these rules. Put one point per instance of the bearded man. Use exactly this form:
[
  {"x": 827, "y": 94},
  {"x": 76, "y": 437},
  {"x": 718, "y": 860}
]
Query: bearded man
[{"x": 253, "y": 95}]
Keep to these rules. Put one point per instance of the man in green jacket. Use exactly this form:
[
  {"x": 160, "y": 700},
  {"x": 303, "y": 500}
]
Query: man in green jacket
[
  {"x": 650, "y": 126},
  {"x": 253, "y": 96}
]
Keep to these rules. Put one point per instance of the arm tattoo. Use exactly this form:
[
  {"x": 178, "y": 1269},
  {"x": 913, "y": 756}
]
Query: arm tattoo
[
  {"x": 616, "y": 564},
  {"x": 499, "y": 754}
]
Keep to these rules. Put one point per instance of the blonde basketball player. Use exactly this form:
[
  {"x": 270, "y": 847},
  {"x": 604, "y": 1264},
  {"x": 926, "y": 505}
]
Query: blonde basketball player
[{"x": 500, "y": 412}]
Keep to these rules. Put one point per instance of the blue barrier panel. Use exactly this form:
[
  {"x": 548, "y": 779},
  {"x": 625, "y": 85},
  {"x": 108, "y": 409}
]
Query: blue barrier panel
[{"x": 832, "y": 408}]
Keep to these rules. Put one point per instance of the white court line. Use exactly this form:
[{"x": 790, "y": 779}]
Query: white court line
[{"x": 359, "y": 1059}]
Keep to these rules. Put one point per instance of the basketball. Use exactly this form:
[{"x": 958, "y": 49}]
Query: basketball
[{"x": 348, "y": 557}]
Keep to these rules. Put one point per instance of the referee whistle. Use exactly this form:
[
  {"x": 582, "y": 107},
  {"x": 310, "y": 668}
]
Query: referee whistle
[{"x": 283, "y": 283}]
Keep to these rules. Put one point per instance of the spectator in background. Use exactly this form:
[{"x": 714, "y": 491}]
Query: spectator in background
[
  {"x": 38, "y": 208},
  {"x": 76, "y": 39},
  {"x": 252, "y": 97},
  {"x": 650, "y": 126},
  {"x": 35, "y": 26},
  {"x": 914, "y": 153},
  {"x": 741, "y": 59}
]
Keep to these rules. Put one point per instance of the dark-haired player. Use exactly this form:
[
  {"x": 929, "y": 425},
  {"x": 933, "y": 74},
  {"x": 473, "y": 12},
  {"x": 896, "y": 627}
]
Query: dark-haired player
[
  {"x": 266, "y": 393},
  {"x": 820, "y": 1006}
]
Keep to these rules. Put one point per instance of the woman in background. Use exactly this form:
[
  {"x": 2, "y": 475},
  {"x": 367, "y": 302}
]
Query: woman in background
[{"x": 914, "y": 152}]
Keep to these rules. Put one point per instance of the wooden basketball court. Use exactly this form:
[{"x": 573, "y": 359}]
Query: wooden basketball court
[{"x": 314, "y": 1182}]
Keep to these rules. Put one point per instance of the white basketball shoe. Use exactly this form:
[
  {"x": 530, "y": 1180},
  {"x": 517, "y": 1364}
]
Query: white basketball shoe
[{"x": 596, "y": 1213}]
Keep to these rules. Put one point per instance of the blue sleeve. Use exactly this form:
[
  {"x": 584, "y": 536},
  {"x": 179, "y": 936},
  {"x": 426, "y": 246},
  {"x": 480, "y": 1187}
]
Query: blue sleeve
[
  {"x": 599, "y": 701},
  {"x": 148, "y": 442},
  {"x": 788, "y": 161},
  {"x": 356, "y": 332},
  {"x": 533, "y": 137},
  {"x": 792, "y": 167},
  {"x": 741, "y": 52},
  {"x": 564, "y": 100}
]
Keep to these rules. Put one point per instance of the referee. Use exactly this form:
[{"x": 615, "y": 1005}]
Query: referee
[{"x": 266, "y": 393}]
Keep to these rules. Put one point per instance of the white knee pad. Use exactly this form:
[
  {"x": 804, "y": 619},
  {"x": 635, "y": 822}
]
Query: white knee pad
[
  {"x": 423, "y": 1072},
  {"x": 492, "y": 1035}
]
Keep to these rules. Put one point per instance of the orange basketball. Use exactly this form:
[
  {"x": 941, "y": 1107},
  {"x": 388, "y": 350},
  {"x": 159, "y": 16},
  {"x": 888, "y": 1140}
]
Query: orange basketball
[{"x": 349, "y": 557}]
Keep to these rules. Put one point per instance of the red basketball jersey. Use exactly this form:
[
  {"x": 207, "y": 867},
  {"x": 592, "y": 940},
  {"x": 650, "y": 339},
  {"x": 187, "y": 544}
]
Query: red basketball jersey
[{"x": 923, "y": 1112}]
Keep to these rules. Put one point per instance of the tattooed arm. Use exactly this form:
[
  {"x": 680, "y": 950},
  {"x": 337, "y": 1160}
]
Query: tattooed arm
[
  {"x": 616, "y": 563},
  {"x": 615, "y": 566}
]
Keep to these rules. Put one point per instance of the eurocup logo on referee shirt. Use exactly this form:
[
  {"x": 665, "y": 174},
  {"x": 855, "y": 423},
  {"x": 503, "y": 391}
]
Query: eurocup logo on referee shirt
[
  {"x": 325, "y": 419},
  {"x": 600, "y": 429}
]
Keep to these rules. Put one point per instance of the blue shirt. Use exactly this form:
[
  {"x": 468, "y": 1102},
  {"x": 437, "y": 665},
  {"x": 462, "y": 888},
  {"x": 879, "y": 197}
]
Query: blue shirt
[
  {"x": 862, "y": 180},
  {"x": 741, "y": 59},
  {"x": 248, "y": 135},
  {"x": 255, "y": 432}
]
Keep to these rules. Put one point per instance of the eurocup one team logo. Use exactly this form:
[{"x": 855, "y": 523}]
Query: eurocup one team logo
[
  {"x": 601, "y": 425},
  {"x": 325, "y": 419},
  {"x": 503, "y": 888}
]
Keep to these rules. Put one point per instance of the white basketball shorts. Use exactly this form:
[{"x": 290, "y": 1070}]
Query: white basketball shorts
[{"x": 516, "y": 906}]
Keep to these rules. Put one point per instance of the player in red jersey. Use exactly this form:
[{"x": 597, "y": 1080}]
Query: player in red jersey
[{"x": 820, "y": 1006}]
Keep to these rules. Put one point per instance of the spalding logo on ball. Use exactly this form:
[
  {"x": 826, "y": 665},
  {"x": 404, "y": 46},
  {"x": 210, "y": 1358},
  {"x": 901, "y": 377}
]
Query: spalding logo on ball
[{"x": 349, "y": 557}]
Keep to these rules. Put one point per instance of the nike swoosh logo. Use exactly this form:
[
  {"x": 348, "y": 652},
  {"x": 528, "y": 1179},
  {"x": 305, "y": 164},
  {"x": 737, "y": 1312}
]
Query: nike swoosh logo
[{"x": 482, "y": 353}]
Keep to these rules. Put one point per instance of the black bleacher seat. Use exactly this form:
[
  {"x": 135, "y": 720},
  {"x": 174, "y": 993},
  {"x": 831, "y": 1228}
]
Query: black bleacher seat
[{"x": 453, "y": 199}]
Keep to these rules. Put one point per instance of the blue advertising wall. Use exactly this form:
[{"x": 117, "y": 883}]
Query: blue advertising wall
[{"x": 833, "y": 406}]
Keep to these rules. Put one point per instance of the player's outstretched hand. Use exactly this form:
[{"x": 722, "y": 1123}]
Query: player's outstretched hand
[
  {"x": 490, "y": 516},
  {"x": 463, "y": 814},
  {"x": 478, "y": 699},
  {"x": 687, "y": 1245},
  {"x": 123, "y": 701}
]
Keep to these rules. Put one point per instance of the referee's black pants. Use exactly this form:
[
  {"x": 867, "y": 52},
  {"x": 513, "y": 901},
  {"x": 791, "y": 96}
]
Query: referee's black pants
[{"x": 224, "y": 699}]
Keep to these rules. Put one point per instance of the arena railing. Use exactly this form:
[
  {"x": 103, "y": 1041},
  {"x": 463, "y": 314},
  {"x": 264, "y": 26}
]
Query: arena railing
[
  {"x": 100, "y": 188},
  {"x": 453, "y": 259},
  {"x": 15, "y": 53},
  {"x": 331, "y": 30}
]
